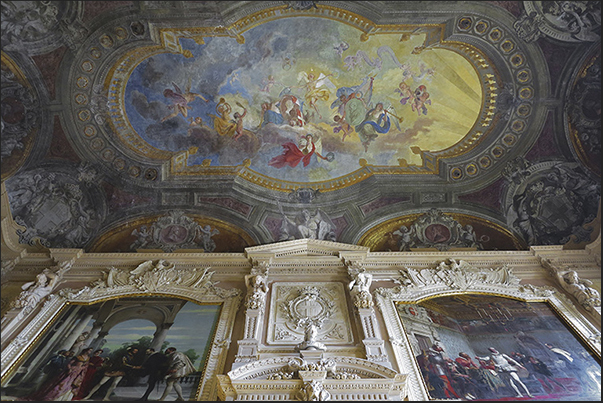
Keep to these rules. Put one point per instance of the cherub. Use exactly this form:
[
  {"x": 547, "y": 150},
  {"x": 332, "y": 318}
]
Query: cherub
[
  {"x": 238, "y": 119},
  {"x": 425, "y": 73},
  {"x": 406, "y": 92},
  {"x": 267, "y": 83},
  {"x": 420, "y": 100},
  {"x": 197, "y": 121},
  {"x": 180, "y": 100},
  {"x": 342, "y": 47},
  {"x": 342, "y": 126},
  {"x": 194, "y": 123}
]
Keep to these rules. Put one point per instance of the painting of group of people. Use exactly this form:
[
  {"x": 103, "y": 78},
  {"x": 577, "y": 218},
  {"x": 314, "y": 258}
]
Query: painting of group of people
[
  {"x": 496, "y": 355},
  {"x": 136, "y": 356},
  {"x": 90, "y": 376}
]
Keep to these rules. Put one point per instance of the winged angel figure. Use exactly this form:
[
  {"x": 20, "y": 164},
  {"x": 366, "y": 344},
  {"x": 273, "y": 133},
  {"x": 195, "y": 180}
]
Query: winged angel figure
[
  {"x": 180, "y": 100},
  {"x": 317, "y": 88}
]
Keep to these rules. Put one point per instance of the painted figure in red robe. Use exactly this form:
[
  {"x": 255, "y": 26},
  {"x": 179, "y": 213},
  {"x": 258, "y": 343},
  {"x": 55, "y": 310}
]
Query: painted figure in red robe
[{"x": 292, "y": 155}]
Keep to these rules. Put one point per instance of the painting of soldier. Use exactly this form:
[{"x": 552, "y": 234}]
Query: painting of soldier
[{"x": 493, "y": 348}]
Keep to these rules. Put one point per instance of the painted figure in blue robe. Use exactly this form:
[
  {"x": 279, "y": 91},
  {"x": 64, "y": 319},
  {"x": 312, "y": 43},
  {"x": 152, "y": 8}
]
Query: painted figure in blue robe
[{"x": 376, "y": 121}]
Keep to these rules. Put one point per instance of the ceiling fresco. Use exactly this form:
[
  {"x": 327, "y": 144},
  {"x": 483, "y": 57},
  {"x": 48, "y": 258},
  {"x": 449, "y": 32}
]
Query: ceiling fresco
[
  {"x": 216, "y": 126},
  {"x": 303, "y": 99}
]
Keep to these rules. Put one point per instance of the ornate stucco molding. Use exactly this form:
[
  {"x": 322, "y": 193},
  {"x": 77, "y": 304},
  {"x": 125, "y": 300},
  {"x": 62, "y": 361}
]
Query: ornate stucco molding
[
  {"x": 579, "y": 288},
  {"x": 255, "y": 302},
  {"x": 288, "y": 378},
  {"x": 33, "y": 294},
  {"x": 150, "y": 278},
  {"x": 452, "y": 276},
  {"x": 460, "y": 277},
  {"x": 571, "y": 21}
]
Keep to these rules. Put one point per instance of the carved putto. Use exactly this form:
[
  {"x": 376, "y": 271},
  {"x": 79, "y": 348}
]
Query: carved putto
[
  {"x": 360, "y": 286},
  {"x": 313, "y": 391},
  {"x": 579, "y": 288},
  {"x": 257, "y": 286}
]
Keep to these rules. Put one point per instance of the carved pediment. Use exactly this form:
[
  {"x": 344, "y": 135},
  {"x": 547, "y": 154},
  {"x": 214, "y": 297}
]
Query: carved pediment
[
  {"x": 458, "y": 276},
  {"x": 150, "y": 277},
  {"x": 267, "y": 368},
  {"x": 286, "y": 378}
]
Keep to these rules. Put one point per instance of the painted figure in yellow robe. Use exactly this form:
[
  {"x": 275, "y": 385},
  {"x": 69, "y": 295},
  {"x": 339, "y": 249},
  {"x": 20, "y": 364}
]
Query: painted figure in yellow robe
[
  {"x": 315, "y": 89},
  {"x": 224, "y": 125},
  {"x": 222, "y": 121}
]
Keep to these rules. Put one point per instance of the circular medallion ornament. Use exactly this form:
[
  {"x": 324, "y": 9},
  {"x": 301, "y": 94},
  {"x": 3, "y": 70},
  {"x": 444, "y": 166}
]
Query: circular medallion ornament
[
  {"x": 309, "y": 307},
  {"x": 485, "y": 161},
  {"x": 507, "y": 46},
  {"x": 437, "y": 233},
  {"x": 173, "y": 234},
  {"x": 456, "y": 173},
  {"x": 465, "y": 23}
]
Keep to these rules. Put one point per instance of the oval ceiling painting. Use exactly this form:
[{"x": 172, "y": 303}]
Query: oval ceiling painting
[{"x": 303, "y": 99}]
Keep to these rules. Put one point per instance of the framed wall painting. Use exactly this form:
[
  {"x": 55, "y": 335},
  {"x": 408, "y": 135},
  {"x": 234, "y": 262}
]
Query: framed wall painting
[
  {"x": 102, "y": 351},
  {"x": 478, "y": 347},
  {"x": 445, "y": 321},
  {"x": 114, "y": 322}
]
